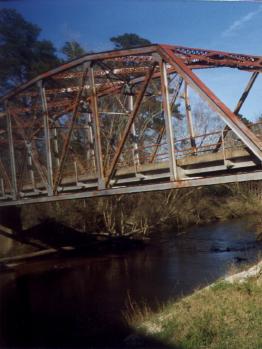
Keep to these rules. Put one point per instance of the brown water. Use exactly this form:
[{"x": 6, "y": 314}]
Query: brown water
[{"x": 79, "y": 302}]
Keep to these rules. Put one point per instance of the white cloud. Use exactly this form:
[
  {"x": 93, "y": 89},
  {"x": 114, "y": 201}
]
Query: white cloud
[{"x": 241, "y": 22}]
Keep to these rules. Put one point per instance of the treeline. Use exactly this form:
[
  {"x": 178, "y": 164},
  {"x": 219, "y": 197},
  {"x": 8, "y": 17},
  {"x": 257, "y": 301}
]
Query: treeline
[
  {"x": 143, "y": 213},
  {"x": 23, "y": 55}
]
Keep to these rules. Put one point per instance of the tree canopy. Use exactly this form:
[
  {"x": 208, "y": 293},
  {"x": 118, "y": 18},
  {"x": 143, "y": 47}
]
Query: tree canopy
[
  {"x": 22, "y": 54},
  {"x": 128, "y": 40},
  {"x": 72, "y": 49}
]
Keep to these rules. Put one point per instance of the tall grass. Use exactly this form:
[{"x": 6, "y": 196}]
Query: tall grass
[{"x": 223, "y": 316}]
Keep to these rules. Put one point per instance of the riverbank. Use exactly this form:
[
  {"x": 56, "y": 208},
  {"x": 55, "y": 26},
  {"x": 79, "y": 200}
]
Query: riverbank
[
  {"x": 226, "y": 314},
  {"x": 135, "y": 215},
  {"x": 54, "y": 240}
]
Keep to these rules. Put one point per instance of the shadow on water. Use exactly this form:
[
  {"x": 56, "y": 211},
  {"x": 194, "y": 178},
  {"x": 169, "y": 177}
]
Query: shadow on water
[
  {"x": 56, "y": 235},
  {"x": 36, "y": 315},
  {"x": 79, "y": 302}
]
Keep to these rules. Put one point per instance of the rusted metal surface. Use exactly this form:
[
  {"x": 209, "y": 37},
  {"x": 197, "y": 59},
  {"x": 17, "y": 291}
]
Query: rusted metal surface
[
  {"x": 168, "y": 121},
  {"x": 49, "y": 166},
  {"x": 70, "y": 132},
  {"x": 67, "y": 140},
  {"x": 241, "y": 177},
  {"x": 97, "y": 133},
  {"x": 235, "y": 124},
  {"x": 189, "y": 119},
  {"x": 129, "y": 124},
  {"x": 239, "y": 105},
  {"x": 162, "y": 130}
]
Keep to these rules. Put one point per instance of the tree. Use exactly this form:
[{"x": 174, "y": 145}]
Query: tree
[
  {"x": 244, "y": 119},
  {"x": 128, "y": 40},
  {"x": 72, "y": 49},
  {"x": 22, "y": 55}
]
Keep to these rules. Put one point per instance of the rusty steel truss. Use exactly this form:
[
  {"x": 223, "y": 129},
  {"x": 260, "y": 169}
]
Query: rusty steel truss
[{"x": 103, "y": 124}]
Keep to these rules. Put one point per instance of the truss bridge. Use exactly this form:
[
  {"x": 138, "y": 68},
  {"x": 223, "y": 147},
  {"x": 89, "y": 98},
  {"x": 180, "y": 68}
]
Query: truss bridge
[{"x": 126, "y": 121}]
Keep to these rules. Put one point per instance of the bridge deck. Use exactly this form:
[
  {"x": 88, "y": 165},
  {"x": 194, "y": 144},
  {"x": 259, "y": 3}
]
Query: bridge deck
[{"x": 231, "y": 166}]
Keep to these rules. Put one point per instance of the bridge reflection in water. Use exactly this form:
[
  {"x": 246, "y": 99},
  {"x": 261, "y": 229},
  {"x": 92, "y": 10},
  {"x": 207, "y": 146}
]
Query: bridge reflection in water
[{"x": 108, "y": 123}]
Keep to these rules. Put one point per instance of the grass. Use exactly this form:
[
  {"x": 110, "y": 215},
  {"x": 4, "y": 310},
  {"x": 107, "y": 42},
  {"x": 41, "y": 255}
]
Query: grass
[{"x": 223, "y": 316}]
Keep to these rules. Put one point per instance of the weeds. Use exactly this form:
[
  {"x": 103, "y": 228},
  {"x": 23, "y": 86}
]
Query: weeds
[
  {"x": 141, "y": 213},
  {"x": 223, "y": 316}
]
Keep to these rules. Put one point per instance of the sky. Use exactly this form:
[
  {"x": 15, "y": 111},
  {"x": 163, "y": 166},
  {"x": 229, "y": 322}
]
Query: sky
[{"x": 233, "y": 26}]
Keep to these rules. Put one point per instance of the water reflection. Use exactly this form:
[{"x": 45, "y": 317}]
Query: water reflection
[{"x": 79, "y": 301}]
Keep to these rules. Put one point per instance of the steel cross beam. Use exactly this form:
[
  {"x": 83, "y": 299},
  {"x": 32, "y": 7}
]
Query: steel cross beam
[
  {"x": 129, "y": 124},
  {"x": 78, "y": 61},
  {"x": 194, "y": 182},
  {"x": 192, "y": 57},
  {"x": 238, "y": 107},
  {"x": 59, "y": 173},
  {"x": 236, "y": 125},
  {"x": 20, "y": 130}
]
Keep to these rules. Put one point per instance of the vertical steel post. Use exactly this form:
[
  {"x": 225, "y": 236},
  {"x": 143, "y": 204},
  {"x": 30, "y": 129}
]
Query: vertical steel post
[
  {"x": 76, "y": 172},
  {"x": 223, "y": 146},
  {"x": 11, "y": 151},
  {"x": 56, "y": 150},
  {"x": 189, "y": 120},
  {"x": 168, "y": 121},
  {"x": 162, "y": 130},
  {"x": 96, "y": 124},
  {"x": 133, "y": 132},
  {"x": 2, "y": 186},
  {"x": 30, "y": 164},
  {"x": 84, "y": 207},
  {"x": 47, "y": 139},
  {"x": 90, "y": 141}
]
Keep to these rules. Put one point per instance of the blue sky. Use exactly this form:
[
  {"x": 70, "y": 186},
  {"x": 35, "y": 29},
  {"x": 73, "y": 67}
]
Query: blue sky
[{"x": 222, "y": 25}]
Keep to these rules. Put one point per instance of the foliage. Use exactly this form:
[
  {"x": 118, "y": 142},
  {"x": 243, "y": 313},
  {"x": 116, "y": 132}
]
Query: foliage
[
  {"x": 22, "y": 54},
  {"x": 141, "y": 213},
  {"x": 72, "y": 49},
  {"x": 128, "y": 40},
  {"x": 244, "y": 119}
]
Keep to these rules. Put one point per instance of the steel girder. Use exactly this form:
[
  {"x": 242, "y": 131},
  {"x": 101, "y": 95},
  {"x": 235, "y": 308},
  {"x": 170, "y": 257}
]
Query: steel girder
[{"x": 57, "y": 141}]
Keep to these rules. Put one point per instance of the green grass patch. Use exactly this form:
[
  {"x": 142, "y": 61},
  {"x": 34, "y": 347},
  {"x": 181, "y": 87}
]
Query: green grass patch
[{"x": 223, "y": 316}]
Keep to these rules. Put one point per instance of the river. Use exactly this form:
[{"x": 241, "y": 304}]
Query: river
[{"x": 79, "y": 302}]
